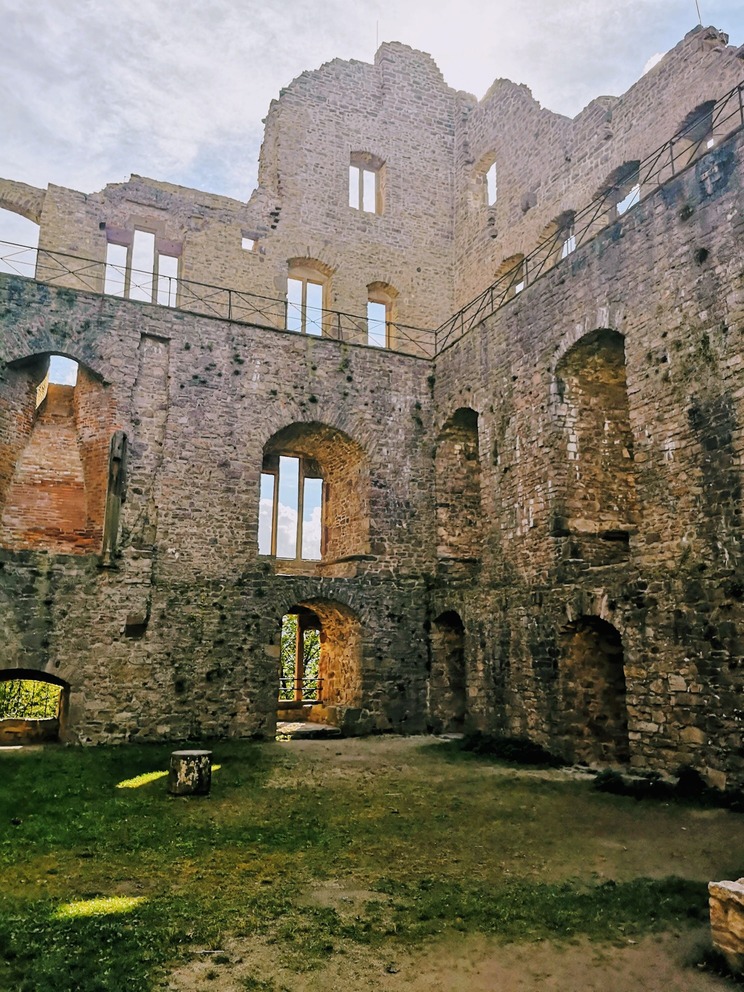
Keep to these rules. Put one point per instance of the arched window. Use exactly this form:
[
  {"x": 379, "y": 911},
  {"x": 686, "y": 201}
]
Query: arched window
[
  {"x": 381, "y": 306},
  {"x": 557, "y": 240},
  {"x": 621, "y": 190},
  {"x": 308, "y": 288},
  {"x": 511, "y": 276},
  {"x": 314, "y": 500},
  {"x": 696, "y": 134}
]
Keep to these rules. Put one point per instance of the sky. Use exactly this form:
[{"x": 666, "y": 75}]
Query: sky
[{"x": 176, "y": 90}]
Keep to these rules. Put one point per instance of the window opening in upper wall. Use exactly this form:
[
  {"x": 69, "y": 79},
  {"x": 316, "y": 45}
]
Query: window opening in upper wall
[
  {"x": 304, "y": 306},
  {"x": 290, "y": 513},
  {"x": 19, "y": 239},
  {"x": 138, "y": 270},
  {"x": 376, "y": 324},
  {"x": 629, "y": 200},
  {"x": 569, "y": 243},
  {"x": 381, "y": 303},
  {"x": 366, "y": 182},
  {"x": 307, "y": 289},
  {"x": 491, "y": 185}
]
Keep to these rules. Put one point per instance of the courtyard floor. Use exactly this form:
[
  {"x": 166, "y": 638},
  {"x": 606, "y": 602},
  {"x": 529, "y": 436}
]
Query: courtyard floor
[{"x": 386, "y": 863}]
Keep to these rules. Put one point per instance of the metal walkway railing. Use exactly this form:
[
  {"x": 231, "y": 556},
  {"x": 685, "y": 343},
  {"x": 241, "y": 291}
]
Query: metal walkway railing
[
  {"x": 626, "y": 187},
  {"x": 718, "y": 120},
  {"x": 57, "y": 268}
]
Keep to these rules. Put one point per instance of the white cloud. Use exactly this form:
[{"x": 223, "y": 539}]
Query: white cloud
[{"x": 92, "y": 92}]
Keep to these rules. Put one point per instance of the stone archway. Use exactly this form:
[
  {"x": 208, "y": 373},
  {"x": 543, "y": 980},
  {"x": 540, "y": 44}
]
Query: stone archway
[
  {"x": 591, "y": 685},
  {"x": 33, "y": 706},
  {"x": 448, "y": 677},
  {"x": 332, "y": 690}
]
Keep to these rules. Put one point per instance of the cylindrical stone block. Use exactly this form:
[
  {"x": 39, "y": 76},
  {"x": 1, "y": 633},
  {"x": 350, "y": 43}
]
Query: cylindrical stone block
[{"x": 190, "y": 773}]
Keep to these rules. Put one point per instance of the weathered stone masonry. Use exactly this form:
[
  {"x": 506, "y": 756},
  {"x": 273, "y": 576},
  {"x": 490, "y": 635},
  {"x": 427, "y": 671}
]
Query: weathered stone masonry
[{"x": 538, "y": 531}]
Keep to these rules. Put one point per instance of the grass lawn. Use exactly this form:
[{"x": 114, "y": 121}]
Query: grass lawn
[{"x": 317, "y": 848}]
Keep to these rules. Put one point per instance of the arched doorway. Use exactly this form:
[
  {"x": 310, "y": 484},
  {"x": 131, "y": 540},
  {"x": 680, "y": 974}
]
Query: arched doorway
[
  {"x": 33, "y": 706},
  {"x": 320, "y": 664},
  {"x": 594, "y": 717},
  {"x": 448, "y": 678}
]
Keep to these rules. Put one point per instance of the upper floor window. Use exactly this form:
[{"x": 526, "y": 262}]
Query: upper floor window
[
  {"x": 307, "y": 291},
  {"x": 380, "y": 313},
  {"x": 289, "y": 523},
  {"x": 491, "y": 185},
  {"x": 366, "y": 186},
  {"x": 140, "y": 266}
]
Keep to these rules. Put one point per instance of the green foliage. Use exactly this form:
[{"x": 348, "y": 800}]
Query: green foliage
[
  {"x": 287, "y": 654},
  {"x": 26, "y": 699}
]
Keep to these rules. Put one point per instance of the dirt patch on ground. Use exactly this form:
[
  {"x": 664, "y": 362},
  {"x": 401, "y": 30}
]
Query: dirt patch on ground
[
  {"x": 464, "y": 964},
  {"x": 556, "y": 837}
]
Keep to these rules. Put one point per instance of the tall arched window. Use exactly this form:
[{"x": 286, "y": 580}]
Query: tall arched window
[
  {"x": 314, "y": 501},
  {"x": 381, "y": 305}
]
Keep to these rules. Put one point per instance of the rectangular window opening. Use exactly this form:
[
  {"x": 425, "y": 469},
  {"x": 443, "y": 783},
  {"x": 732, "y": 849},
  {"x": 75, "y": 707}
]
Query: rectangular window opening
[
  {"x": 266, "y": 513},
  {"x": 376, "y": 324},
  {"x": 115, "y": 279},
  {"x": 287, "y": 511},
  {"x": 312, "y": 504},
  {"x": 314, "y": 309},
  {"x": 142, "y": 269},
  {"x": 167, "y": 280}
]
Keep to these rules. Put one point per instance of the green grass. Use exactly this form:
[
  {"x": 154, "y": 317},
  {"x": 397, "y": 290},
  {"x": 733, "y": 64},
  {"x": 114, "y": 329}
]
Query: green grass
[{"x": 104, "y": 887}]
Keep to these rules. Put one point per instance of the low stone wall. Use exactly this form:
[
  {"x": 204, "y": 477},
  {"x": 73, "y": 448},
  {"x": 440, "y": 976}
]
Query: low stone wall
[
  {"x": 727, "y": 921},
  {"x": 28, "y": 731}
]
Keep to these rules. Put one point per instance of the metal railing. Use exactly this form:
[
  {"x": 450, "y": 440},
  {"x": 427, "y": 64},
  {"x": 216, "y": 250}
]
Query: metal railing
[
  {"x": 573, "y": 229},
  {"x": 724, "y": 117},
  {"x": 57, "y": 268},
  {"x": 305, "y": 690}
]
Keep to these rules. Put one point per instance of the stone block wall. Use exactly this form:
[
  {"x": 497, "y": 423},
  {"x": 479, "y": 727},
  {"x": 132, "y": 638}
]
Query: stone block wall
[
  {"x": 666, "y": 277},
  {"x": 537, "y": 533}
]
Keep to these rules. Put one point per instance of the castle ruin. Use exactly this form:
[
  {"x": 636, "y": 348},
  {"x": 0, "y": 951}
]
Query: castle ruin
[{"x": 460, "y": 388}]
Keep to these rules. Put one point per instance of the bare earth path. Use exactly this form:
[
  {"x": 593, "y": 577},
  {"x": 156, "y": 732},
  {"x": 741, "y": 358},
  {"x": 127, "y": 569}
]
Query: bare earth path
[{"x": 588, "y": 836}]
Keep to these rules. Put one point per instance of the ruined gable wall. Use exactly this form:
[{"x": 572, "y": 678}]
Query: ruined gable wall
[
  {"x": 180, "y": 638},
  {"x": 566, "y": 163},
  {"x": 668, "y": 277}
]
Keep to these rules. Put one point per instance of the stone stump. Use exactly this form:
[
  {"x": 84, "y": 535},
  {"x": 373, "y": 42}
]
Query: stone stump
[
  {"x": 727, "y": 921},
  {"x": 190, "y": 773}
]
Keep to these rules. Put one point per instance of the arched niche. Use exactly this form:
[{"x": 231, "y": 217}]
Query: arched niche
[
  {"x": 458, "y": 485},
  {"x": 448, "y": 676},
  {"x": 597, "y": 504},
  {"x": 593, "y": 718}
]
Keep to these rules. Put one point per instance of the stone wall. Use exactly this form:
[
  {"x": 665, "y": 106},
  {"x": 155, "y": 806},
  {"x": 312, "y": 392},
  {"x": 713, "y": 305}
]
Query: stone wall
[
  {"x": 667, "y": 278},
  {"x": 537, "y": 533}
]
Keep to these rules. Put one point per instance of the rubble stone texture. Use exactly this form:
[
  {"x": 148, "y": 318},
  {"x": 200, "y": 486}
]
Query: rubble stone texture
[
  {"x": 727, "y": 921},
  {"x": 532, "y": 528}
]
